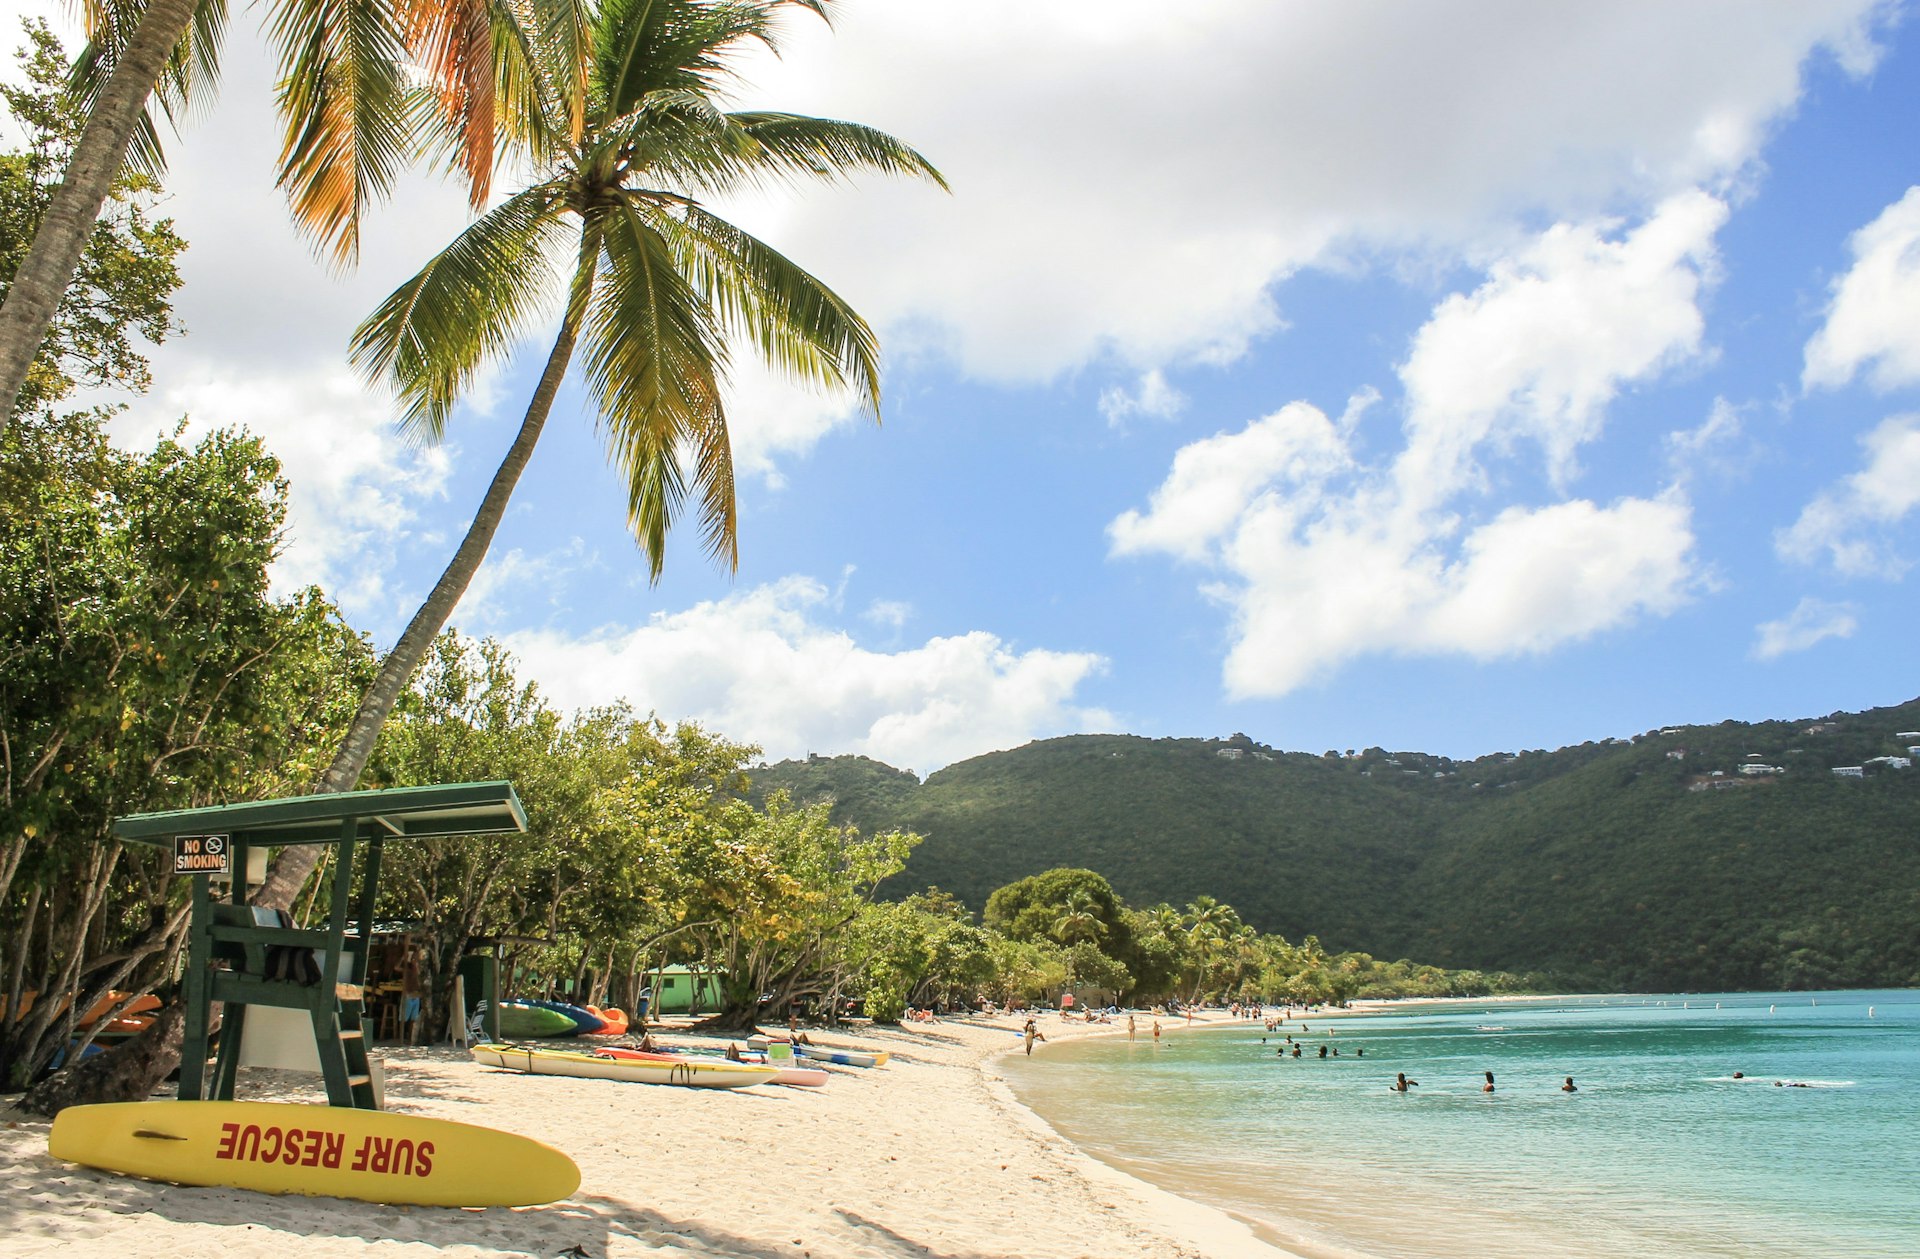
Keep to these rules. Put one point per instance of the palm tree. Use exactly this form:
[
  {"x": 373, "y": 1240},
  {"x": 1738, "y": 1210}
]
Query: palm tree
[
  {"x": 1079, "y": 919},
  {"x": 344, "y": 94},
  {"x": 657, "y": 289}
]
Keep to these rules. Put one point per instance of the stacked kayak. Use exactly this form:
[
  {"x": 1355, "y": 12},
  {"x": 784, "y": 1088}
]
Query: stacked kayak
[
  {"x": 524, "y": 1020},
  {"x": 603, "y": 1065},
  {"x": 819, "y": 1053},
  {"x": 615, "y": 1020},
  {"x": 527, "y": 1020}
]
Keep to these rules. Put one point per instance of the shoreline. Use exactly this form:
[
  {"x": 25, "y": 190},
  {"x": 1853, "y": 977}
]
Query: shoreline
[{"x": 932, "y": 1153}]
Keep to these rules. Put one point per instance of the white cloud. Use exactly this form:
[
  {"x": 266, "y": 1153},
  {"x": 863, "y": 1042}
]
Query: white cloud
[
  {"x": 1324, "y": 558},
  {"x": 761, "y": 666},
  {"x": 1874, "y": 318},
  {"x": 1811, "y": 621},
  {"x": 1137, "y": 180},
  {"x": 1216, "y": 480},
  {"x": 890, "y": 613},
  {"x": 1712, "y": 447},
  {"x": 510, "y": 581},
  {"x": 1153, "y": 399},
  {"x": 1541, "y": 348},
  {"x": 1850, "y": 521},
  {"x": 769, "y": 417},
  {"x": 1308, "y": 598},
  {"x": 355, "y": 484}
]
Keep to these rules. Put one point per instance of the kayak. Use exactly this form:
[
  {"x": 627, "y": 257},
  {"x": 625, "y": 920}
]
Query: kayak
[
  {"x": 601, "y": 1065},
  {"x": 615, "y": 1020},
  {"x": 522, "y": 1020},
  {"x": 785, "y": 1073},
  {"x": 589, "y": 1023}
]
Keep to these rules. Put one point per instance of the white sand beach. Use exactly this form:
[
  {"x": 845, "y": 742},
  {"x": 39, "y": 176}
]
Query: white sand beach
[{"x": 928, "y": 1155}]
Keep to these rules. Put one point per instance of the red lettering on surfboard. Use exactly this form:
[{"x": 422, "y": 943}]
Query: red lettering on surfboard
[{"x": 309, "y": 1147}]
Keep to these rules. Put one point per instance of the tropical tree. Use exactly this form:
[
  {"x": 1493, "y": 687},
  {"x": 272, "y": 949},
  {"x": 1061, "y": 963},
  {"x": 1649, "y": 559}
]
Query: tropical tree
[
  {"x": 1079, "y": 920},
  {"x": 144, "y": 664},
  {"x": 343, "y": 94},
  {"x": 658, "y": 288}
]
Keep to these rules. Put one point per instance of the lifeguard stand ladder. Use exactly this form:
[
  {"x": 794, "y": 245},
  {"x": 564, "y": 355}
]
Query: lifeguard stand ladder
[{"x": 243, "y": 956}]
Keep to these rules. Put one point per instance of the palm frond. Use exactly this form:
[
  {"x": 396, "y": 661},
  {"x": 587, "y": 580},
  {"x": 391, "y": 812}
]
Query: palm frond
[
  {"x": 655, "y": 360},
  {"x": 799, "y": 325},
  {"x": 469, "y": 303},
  {"x": 766, "y": 148},
  {"x": 453, "y": 40},
  {"x": 189, "y": 76},
  {"x": 343, "y": 94},
  {"x": 645, "y": 46}
]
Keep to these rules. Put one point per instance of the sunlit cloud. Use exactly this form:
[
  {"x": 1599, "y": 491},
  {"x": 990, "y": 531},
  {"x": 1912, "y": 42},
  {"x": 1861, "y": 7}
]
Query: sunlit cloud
[
  {"x": 1812, "y": 621},
  {"x": 765, "y": 666}
]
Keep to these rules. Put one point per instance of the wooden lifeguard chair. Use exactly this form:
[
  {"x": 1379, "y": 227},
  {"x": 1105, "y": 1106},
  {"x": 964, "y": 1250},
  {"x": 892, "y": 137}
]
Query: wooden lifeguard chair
[{"x": 243, "y": 956}]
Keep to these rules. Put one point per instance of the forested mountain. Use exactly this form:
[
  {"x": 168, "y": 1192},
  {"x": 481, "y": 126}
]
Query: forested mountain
[{"x": 1697, "y": 857}]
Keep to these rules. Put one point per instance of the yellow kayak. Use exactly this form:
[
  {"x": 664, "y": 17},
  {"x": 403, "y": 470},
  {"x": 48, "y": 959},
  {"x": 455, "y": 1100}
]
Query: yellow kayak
[{"x": 692, "y": 1073}]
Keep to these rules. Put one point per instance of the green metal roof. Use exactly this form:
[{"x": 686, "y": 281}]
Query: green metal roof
[{"x": 395, "y": 813}]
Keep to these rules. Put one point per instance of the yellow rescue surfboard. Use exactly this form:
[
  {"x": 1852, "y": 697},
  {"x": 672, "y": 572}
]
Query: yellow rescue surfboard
[{"x": 326, "y": 1151}]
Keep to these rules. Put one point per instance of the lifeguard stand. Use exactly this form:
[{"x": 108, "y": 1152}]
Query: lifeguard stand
[{"x": 243, "y": 956}]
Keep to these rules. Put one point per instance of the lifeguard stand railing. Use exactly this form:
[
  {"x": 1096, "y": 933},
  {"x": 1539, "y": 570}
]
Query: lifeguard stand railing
[{"x": 243, "y": 956}]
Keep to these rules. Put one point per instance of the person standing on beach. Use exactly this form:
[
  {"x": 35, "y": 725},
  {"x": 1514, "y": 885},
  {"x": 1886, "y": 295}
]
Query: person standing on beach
[
  {"x": 1030, "y": 1033},
  {"x": 1156, "y": 1031},
  {"x": 1130, "y": 1033}
]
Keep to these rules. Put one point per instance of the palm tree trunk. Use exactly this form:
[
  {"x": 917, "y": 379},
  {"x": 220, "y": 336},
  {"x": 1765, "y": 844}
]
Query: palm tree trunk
[
  {"x": 292, "y": 865},
  {"x": 35, "y": 292}
]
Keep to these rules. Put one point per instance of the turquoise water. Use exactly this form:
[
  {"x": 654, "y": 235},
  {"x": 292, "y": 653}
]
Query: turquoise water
[{"x": 1661, "y": 1152}]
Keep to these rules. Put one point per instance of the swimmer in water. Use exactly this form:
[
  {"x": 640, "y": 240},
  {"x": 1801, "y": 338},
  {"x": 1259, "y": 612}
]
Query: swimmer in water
[
  {"x": 1568, "y": 1086},
  {"x": 1401, "y": 1083},
  {"x": 1488, "y": 1086}
]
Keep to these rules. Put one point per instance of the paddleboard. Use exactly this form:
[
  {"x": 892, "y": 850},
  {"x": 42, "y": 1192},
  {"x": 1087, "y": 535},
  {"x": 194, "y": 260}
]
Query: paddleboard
[{"x": 323, "y": 1151}]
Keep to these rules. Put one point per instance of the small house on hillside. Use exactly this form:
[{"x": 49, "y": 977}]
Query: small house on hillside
[{"x": 1849, "y": 771}]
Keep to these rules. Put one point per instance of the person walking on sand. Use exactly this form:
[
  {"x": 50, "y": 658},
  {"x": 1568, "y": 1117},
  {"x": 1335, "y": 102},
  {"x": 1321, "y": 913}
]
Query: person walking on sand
[
  {"x": 1030, "y": 1033},
  {"x": 1401, "y": 1083}
]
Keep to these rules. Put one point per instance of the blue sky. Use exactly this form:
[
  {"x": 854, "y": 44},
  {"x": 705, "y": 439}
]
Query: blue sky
[{"x": 1456, "y": 378}]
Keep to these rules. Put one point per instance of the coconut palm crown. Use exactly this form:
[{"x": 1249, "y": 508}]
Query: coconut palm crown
[{"x": 659, "y": 288}]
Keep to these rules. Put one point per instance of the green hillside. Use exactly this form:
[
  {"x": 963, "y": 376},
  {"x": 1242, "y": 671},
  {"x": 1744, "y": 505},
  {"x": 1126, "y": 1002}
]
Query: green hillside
[{"x": 1654, "y": 862}]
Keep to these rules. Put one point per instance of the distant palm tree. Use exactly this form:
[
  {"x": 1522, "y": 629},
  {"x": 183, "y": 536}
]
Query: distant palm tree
[
  {"x": 352, "y": 116},
  {"x": 1079, "y": 919},
  {"x": 657, "y": 289}
]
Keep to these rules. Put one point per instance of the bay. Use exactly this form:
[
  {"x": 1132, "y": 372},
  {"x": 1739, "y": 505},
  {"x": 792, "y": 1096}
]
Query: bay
[{"x": 1661, "y": 1152}]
